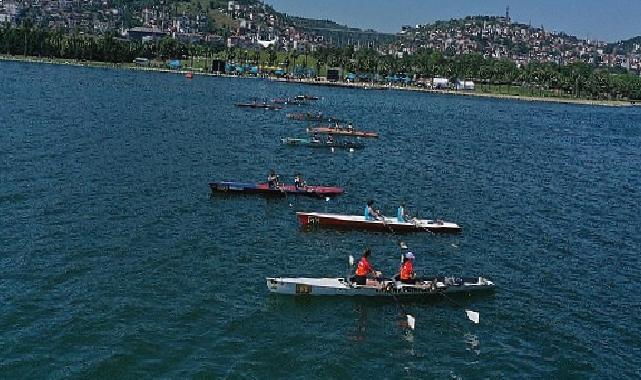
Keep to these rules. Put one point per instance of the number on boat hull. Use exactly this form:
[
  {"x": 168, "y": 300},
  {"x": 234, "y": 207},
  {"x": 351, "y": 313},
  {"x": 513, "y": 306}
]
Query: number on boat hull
[{"x": 303, "y": 289}]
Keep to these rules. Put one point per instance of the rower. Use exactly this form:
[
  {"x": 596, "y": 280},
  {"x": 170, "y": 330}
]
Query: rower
[
  {"x": 350, "y": 127},
  {"x": 315, "y": 137},
  {"x": 401, "y": 215},
  {"x": 272, "y": 179},
  {"x": 298, "y": 182},
  {"x": 407, "y": 275},
  {"x": 330, "y": 138},
  {"x": 363, "y": 269},
  {"x": 370, "y": 212}
]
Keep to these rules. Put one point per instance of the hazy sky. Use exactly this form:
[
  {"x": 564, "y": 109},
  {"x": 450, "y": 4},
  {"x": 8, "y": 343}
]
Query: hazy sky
[{"x": 608, "y": 20}]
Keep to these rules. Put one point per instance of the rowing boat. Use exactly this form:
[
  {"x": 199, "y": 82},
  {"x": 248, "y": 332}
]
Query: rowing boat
[
  {"x": 306, "y": 97},
  {"x": 312, "y": 117},
  {"x": 342, "y": 132},
  {"x": 290, "y": 101},
  {"x": 423, "y": 288},
  {"x": 259, "y": 105},
  {"x": 322, "y": 144},
  {"x": 387, "y": 224},
  {"x": 281, "y": 190}
]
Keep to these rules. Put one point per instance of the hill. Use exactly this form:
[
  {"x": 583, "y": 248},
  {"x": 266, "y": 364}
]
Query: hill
[{"x": 629, "y": 46}]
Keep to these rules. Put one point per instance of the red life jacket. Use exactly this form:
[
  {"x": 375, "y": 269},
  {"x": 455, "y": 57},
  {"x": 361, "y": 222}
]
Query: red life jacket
[
  {"x": 363, "y": 267},
  {"x": 407, "y": 269}
]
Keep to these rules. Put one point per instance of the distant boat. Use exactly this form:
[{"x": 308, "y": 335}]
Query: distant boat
[
  {"x": 280, "y": 190},
  {"x": 259, "y": 105},
  {"x": 313, "y": 143},
  {"x": 306, "y": 97},
  {"x": 289, "y": 101},
  {"x": 343, "y": 132},
  {"x": 312, "y": 117}
]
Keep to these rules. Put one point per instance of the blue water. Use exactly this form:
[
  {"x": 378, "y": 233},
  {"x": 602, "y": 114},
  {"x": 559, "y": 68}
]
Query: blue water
[{"x": 115, "y": 262}]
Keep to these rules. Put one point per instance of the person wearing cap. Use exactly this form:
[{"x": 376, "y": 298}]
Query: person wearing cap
[
  {"x": 370, "y": 212},
  {"x": 363, "y": 269},
  {"x": 407, "y": 269}
]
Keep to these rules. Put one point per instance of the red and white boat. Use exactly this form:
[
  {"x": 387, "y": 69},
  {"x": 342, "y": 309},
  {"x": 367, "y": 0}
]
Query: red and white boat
[
  {"x": 281, "y": 190},
  {"x": 387, "y": 224}
]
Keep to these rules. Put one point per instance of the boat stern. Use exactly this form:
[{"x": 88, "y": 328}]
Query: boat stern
[{"x": 306, "y": 219}]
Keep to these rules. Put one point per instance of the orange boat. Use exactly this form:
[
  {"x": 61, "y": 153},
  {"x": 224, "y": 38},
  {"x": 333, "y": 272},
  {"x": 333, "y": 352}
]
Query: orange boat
[{"x": 342, "y": 131}]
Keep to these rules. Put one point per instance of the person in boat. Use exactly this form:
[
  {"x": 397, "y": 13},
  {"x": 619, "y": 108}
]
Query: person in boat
[
  {"x": 272, "y": 179},
  {"x": 315, "y": 137},
  {"x": 401, "y": 214},
  {"x": 298, "y": 182},
  {"x": 350, "y": 127},
  {"x": 364, "y": 269},
  {"x": 330, "y": 138},
  {"x": 371, "y": 213},
  {"x": 407, "y": 275}
]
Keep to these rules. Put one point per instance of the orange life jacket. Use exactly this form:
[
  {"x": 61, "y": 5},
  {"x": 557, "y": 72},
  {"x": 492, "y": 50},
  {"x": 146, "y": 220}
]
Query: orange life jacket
[
  {"x": 363, "y": 267},
  {"x": 407, "y": 269}
]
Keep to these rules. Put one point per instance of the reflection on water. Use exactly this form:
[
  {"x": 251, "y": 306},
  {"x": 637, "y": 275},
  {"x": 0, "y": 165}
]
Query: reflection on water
[
  {"x": 472, "y": 343},
  {"x": 361, "y": 322}
]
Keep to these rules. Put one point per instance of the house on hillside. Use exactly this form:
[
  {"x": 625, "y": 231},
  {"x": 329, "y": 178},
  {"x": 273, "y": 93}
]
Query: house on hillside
[{"x": 145, "y": 34}]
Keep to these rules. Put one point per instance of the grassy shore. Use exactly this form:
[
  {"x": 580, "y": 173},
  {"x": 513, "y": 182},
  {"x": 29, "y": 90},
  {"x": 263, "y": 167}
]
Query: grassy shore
[{"x": 491, "y": 91}]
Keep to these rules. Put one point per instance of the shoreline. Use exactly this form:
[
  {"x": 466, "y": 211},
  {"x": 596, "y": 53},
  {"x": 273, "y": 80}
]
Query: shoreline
[{"x": 313, "y": 82}]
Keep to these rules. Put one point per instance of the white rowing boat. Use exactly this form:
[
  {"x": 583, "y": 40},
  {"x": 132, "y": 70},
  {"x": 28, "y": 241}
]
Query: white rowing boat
[
  {"x": 375, "y": 288},
  {"x": 386, "y": 224}
]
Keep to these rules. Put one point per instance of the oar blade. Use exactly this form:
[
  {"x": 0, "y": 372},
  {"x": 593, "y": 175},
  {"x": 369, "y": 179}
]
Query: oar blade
[
  {"x": 351, "y": 260},
  {"x": 473, "y": 316},
  {"x": 411, "y": 321}
]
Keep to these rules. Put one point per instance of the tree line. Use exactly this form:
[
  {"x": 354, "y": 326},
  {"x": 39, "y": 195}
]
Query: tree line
[
  {"x": 109, "y": 47},
  {"x": 575, "y": 79}
]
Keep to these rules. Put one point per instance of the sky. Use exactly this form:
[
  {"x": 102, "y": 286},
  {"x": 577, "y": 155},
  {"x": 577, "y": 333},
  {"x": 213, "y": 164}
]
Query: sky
[{"x": 606, "y": 20}]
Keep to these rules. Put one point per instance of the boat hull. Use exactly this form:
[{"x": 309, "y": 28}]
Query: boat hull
[
  {"x": 354, "y": 222},
  {"x": 259, "y": 106},
  {"x": 289, "y": 102},
  {"x": 385, "y": 288},
  {"x": 312, "y": 117},
  {"x": 281, "y": 191},
  {"x": 320, "y": 144},
  {"x": 342, "y": 132}
]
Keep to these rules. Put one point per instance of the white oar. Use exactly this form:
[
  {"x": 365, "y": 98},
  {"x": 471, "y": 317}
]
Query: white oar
[
  {"x": 473, "y": 316},
  {"x": 411, "y": 321}
]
